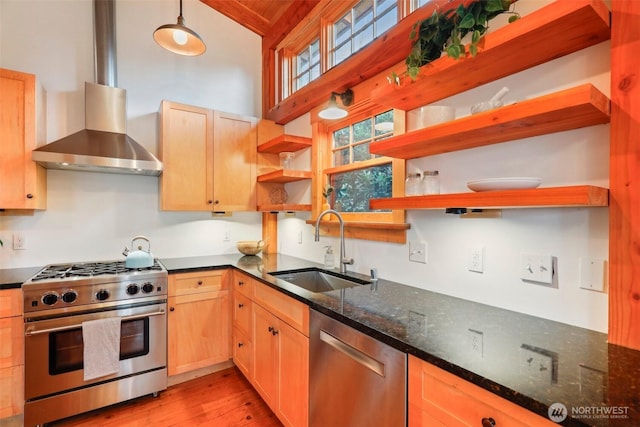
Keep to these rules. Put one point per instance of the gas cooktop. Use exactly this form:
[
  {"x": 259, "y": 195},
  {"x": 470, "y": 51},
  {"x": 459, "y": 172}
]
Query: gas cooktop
[{"x": 90, "y": 269}]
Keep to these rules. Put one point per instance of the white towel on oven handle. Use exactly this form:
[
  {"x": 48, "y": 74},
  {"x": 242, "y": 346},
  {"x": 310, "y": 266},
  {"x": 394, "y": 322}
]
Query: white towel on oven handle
[{"x": 101, "y": 340}]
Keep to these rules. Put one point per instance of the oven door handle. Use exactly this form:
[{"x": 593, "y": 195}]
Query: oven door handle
[{"x": 29, "y": 332}]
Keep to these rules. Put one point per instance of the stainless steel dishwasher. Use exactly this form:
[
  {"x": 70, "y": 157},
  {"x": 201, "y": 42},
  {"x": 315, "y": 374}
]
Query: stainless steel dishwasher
[{"x": 354, "y": 379}]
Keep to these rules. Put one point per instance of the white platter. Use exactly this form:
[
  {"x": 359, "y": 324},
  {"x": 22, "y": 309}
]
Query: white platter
[{"x": 510, "y": 183}]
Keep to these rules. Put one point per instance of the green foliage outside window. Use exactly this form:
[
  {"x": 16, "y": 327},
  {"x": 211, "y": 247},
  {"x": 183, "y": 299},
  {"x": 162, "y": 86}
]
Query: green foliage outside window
[{"x": 353, "y": 189}]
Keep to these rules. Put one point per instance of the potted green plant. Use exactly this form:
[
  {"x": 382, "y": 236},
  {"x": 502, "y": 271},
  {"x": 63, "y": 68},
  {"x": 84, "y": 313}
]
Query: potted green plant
[{"x": 444, "y": 31}]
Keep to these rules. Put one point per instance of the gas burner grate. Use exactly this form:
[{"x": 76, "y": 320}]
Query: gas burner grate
[{"x": 89, "y": 269}]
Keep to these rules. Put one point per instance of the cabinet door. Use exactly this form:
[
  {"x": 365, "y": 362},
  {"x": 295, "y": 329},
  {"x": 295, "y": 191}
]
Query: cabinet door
[
  {"x": 234, "y": 162},
  {"x": 264, "y": 355},
  {"x": 22, "y": 181},
  {"x": 186, "y": 151},
  {"x": 293, "y": 376},
  {"x": 198, "y": 331},
  {"x": 11, "y": 391}
]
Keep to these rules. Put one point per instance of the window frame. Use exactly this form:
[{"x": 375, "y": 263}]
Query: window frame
[{"x": 387, "y": 226}]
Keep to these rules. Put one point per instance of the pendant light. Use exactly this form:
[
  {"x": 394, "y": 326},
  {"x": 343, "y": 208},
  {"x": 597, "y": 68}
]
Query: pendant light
[
  {"x": 333, "y": 111},
  {"x": 179, "y": 39}
]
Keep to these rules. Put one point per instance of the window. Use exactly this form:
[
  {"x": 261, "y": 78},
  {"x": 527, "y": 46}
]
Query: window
[
  {"x": 360, "y": 25},
  {"x": 307, "y": 65},
  {"x": 415, "y": 4},
  {"x": 355, "y": 174}
]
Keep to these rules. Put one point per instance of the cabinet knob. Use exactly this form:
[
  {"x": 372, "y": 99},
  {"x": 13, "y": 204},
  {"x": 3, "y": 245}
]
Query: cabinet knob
[
  {"x": 488, "y": 422},
  {"x": 240, "y": 344},
  {"x": 199, "y": 282},
  {"x": 240, "y": 283},
  {"x": 240, "y": 305},
  {"x": 210, "y": 202},
  {"x": 216, "y": 202},
  {"x": 274, "y": 332},
  {"x": 29, "y": 196},
  {"x": 172, "y": 309}
]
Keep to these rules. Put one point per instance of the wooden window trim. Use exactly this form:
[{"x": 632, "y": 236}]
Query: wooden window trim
[{"x": 381, "y": 226}]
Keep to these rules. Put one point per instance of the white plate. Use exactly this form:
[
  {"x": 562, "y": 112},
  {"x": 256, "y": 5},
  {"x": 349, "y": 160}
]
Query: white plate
[{"x": 511, "y": 183}]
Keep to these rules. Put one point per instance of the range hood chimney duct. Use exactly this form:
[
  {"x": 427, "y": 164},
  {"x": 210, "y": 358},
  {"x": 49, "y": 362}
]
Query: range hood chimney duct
[{"x": 103, "y": 146}]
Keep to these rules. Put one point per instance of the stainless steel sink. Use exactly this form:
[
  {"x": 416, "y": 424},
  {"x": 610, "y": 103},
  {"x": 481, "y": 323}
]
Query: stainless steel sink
[{"x": 316, "y": 280}]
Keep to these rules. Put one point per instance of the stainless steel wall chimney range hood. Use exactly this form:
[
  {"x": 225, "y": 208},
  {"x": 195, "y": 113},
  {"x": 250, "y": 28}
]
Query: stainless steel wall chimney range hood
[{"x": 103, "y": 146}]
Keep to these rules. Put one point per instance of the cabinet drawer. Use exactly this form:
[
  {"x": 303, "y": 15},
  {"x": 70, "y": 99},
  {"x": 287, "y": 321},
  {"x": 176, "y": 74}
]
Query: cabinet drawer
[
  {"x": 242, "y": 312},
  {"x": 242, "y": 352},
  {"x": 293, "y": 312},
  {"x": 437, "y": 397},
  {"x": 190, "y": 283},
  {"x": 243, "y": 284},
  {"x": 10, "y": 303}
]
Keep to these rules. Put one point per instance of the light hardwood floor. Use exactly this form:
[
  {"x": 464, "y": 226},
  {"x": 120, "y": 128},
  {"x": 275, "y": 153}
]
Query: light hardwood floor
[{"x": 222, "y": 399}]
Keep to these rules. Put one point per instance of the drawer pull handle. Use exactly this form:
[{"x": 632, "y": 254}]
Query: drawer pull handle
[{"x": 488, "y": 422}]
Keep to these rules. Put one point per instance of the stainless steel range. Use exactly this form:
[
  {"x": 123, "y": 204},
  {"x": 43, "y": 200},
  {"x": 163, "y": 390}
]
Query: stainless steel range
[{"x": 61, "y": 303}]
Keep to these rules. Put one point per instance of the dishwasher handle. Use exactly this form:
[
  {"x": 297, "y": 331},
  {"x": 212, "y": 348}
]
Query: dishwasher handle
[{"x": 355, "y": 354}]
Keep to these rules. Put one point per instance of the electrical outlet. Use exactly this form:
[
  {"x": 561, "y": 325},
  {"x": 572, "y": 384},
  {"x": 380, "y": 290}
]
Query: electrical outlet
[
  {"x": 475, "y": 340},
  {"x": 418, "y": 252},
  {"x": 475, "y": 261},
  {"x": 19, "y": 242},
  {"x": 537, "y": 268},
  {"x": 539, "y": 364}
]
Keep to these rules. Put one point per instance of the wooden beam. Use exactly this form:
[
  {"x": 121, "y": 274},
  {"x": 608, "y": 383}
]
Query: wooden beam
[
  {"x": 624, "y": 176},
  {"x": 289, "y": 19},
  {"x": 241, "y": 14}
]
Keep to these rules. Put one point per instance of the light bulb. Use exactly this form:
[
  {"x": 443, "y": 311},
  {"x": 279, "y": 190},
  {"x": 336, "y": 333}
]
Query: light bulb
[{"x": 180, "y": 37}]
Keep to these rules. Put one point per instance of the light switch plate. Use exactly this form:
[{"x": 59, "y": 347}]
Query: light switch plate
[
  {"x": 418, "y": 252},
  {"x": 592, "y": 274}
]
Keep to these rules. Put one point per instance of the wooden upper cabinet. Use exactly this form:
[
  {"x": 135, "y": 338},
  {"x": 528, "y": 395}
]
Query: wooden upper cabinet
[
  {"x": 209, "y": 159},
  {"x": 23, "y": 183},
  {"x": 234, "y": 162}
]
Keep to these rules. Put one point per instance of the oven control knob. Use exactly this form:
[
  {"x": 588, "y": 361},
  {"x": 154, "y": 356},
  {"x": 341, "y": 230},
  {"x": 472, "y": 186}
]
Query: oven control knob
[
  {"x": 69, "y": 296},
  {"x": 50, "y": 298},
  {"x": 133, "y": 289},
  {"x": 102, "y": 294},
  {"x": 147, "y": 287}
]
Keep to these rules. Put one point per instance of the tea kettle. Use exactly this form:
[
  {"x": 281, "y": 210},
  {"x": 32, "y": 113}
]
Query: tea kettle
[{"x": 138, "y": 258}]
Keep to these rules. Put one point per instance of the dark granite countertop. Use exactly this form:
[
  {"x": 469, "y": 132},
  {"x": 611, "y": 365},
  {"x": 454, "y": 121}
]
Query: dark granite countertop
[
  {"x": 533, "y": 362},
  {"x": 14, "y": 277}
]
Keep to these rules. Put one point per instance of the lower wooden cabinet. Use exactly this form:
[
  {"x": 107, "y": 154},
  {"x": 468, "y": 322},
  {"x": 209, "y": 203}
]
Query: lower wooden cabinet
[
  {"x": 11, "y": 353},
  {"x": 199, "y": 320},
  {"x": 275, "y": 346},
  {"x": 440, "y": 399}
]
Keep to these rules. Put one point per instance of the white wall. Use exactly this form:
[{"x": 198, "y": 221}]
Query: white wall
[
  {"x": 568, "y": 234},
  {"x": 92, "y": 216}
]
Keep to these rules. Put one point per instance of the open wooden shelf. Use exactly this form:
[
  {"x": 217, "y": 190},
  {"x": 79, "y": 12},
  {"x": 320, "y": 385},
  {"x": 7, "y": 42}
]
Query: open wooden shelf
[
  {"x": 283, "y": 143},
  {"x": 575, "y": 196},
  {"x": 568, "y": 109},
  {"x": 558, "y": 29},
  {"x": 286, "y": 207},
  {"x": 283, "y": 176}
]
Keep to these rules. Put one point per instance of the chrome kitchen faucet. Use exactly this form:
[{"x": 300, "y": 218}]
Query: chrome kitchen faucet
[{"x": 343, "y": 260}]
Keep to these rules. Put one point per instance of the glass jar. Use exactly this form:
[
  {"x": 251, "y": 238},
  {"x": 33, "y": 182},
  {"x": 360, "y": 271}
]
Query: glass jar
[
  {"x": 413, "y": 184},
  {"x": 431, "y": 182}
]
